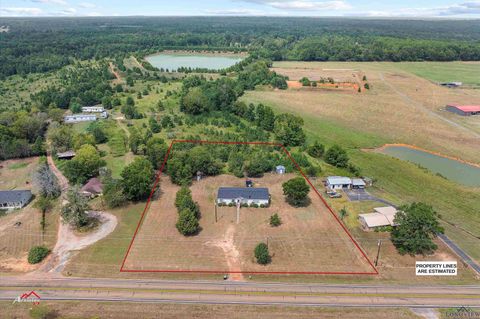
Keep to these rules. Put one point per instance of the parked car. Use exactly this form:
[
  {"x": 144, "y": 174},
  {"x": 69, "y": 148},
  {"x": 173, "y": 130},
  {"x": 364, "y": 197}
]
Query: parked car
[{"x": 335, "y": 195}]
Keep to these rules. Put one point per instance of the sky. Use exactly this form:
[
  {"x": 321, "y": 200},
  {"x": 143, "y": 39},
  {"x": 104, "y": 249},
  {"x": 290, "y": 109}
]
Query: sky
[{"x": 347, "y": 8}]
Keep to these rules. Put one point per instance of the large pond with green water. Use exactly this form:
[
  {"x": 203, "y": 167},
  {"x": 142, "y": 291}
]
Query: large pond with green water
[
  {"x": 173, "y": 61},
  {"x": 451, "y": 169}
]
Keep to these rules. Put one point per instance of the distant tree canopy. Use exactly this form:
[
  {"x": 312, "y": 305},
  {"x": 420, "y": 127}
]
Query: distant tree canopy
[
  {"x": 42, "y": 45},
  {"x": 417, "y": 226}
]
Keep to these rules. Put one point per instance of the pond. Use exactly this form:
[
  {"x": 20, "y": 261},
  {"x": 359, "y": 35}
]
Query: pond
[
  {"x": 173, "y": 61},
  {"x": 451, "y": 169}
]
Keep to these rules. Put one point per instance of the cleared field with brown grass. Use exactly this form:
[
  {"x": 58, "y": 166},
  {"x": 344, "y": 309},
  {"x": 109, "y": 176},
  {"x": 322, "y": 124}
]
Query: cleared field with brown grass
[
  {"x": 400, "y": 106},
  {"x": 309, "y": 239}
]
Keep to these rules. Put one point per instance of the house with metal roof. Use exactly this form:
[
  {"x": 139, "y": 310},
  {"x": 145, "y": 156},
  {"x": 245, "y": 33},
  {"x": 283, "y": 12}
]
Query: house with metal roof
[
  {"x": 66, "y": 155},
  {"x": 92, "y": 188},
  {"x": 338, "y": 182},
  {"x": 14, "y": 199},
  {"x": 243, "y": 195},
  {"x": 382, "y": 216}
]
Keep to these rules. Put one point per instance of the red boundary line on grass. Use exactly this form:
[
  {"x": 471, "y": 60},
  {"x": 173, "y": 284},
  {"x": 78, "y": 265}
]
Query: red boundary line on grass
[{"x": 157, "y": 179}]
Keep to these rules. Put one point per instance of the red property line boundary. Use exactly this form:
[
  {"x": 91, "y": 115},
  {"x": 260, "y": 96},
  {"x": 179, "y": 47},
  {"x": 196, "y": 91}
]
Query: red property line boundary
[{"x": 157, "y": 179}]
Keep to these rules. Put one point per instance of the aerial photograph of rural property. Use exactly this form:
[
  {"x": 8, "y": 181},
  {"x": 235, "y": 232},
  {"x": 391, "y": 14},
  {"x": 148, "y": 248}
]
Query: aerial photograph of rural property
[{"x": 239, "y": 159}]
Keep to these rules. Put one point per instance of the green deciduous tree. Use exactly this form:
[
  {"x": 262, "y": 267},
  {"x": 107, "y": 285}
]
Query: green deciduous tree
[
  {"x": 296, "y": 191},
  {"x": 316, "y": 150},
  {"x": 84, "y": 165},
  {"x": 288, "y": 129},
  {"x": 337, "y": 156},
  {"x": 417, "y": 226},
  {"x": 195, "y": 102},
  {"x": 37, "y": 254},
  {"x": 187, "y": 223},
  {"x": 138, "y": 179}
]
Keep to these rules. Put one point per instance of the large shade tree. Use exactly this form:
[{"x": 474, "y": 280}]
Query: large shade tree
[{"x": 417, "y": 226}]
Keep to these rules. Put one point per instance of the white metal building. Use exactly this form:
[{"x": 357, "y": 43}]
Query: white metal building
[
  {"x": 93, "y": 109},
  {"x": 382, "y": 216},
  {"x": 338, "y": 182},
  {"x": 75, "y": 118}
]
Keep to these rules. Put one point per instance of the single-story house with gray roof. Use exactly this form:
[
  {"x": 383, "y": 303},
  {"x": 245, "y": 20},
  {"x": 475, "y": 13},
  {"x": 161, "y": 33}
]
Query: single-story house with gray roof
[
  {"x": 14, "y": 199},
  {"x": 243, "y": 195}
]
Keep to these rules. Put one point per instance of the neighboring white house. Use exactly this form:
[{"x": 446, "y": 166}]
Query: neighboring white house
[
  {"x": 382, "y": 216},
  {"x": 93, "y": 109},
  {"x": 338, "y": 182},
  {"x": 104, "y": 115},
  {"x": 14, "y": 199},
  {"x": 244, "y": 195},
  {"x": 75, "y": 118}
]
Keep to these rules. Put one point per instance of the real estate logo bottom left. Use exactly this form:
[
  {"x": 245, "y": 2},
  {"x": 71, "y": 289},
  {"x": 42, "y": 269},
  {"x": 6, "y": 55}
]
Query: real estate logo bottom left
[{"x": 31, "y": 296}]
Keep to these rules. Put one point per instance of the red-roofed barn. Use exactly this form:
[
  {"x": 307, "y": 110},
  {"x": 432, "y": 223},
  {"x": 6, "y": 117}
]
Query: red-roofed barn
[{"x": 465, "y": 110}]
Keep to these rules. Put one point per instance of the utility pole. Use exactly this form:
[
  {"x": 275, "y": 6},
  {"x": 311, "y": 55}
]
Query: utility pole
[
  {"x": 379, "y": 244},
  {"x": 215, "y": 204}
]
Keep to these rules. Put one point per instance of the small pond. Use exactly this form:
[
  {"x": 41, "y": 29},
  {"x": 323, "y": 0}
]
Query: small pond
[
  {"x": 173, "y": 61},
  {"x": 451, "y": 169}
]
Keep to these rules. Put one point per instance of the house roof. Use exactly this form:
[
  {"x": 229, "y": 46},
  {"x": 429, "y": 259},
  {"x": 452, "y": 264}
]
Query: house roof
[
  {"x": 338, "y": 180},
  {"x": 467, "y": 108},
  {"x": 388, "y": 211},
  {"x": 244, "y": 192},
  {"x": 358, "y": 182},
  {"x": 15, "y": 196},
  {"x": 375, "y": 219},
  {"x": 93, "y": 186},
  {"x": 383, "y": 216}
]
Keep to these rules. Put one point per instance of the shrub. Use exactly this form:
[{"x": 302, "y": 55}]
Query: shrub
[
  {"x": 187, "y": 223},
  {"x": 296, "y": 191},
  {"x": 37, "y": 254},
  {"x": 262, "y": 205},
  {"x": 243, "y": 205},
  {"x": 254, "y": 205},
  {"x": 261, "y": 254},
  {"x": 230, "y": 204},
  {"x": 275, "y": 220}
]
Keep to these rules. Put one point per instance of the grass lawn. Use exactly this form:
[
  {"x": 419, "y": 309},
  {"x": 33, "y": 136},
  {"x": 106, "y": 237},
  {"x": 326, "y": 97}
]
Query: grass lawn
[{"x": 466, "y": 72}]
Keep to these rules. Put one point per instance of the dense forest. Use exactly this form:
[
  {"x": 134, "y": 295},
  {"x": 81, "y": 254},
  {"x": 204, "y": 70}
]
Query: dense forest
[{"x": 44, "y": 44}]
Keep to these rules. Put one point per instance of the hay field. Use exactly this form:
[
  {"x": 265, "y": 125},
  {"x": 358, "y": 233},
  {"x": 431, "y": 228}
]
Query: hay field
[
  {"x": 308, "y": 240},
  {"x": 400, "y": 107}
]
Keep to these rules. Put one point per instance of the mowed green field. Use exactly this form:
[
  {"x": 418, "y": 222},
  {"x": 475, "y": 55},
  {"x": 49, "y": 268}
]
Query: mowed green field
[
  {"x": 466, "y": 72},
  {"x": 364, "y": 121}
]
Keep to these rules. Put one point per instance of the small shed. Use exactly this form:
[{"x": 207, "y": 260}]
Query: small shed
[
  {"x": 66, "y": 155},
  {"x": 92, "y": 188},
  {"x": 280, "y": 169}
]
